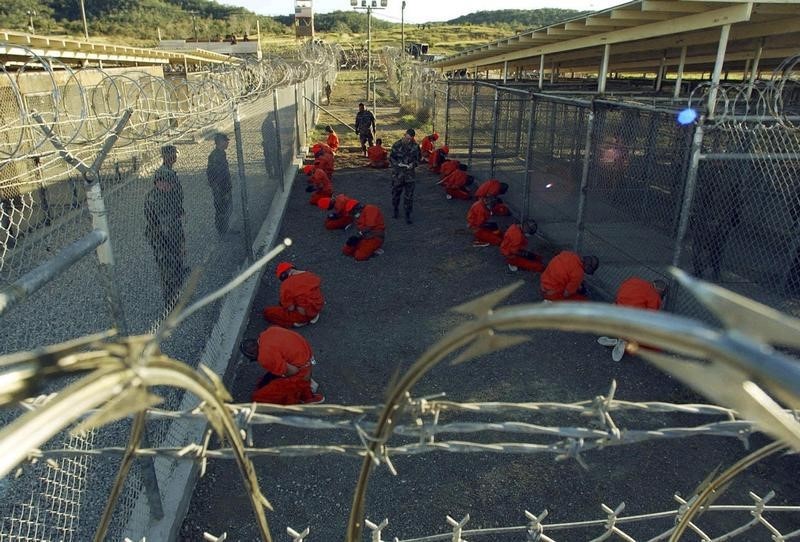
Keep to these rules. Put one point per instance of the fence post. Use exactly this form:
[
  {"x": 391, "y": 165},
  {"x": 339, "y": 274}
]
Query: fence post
[
  {"x": 297, "y": 105},
  {"x": 278, "y": 136},
  {"x": 552, "y": 128},
  {"x": 587, "y": 157},
  {"x": 518, "y": 131},
  {"x": 496, "y": 112},
  {"x": 433, "y": 109},
  {"x": 237, "y": 132},
  {"x": 526, "y": 188},
  {"x": 473, "y": 111},
  {"x": 447, "y": 113},
  {"x": 688, "y": 192}
]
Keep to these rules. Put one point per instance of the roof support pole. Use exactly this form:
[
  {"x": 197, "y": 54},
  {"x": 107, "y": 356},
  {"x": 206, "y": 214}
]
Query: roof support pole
[
  {"x": 601, "y": 77},
  {"x": 552, "y": 73},
  {"x": 676, "y": 92},
  {"x": 505, "y": 72},
  {"x": 662, "y": 68},
  {"x": 754, "y": 68},
  {"x": 541, "y": 72},
  {"x": 724, "y": 32}
]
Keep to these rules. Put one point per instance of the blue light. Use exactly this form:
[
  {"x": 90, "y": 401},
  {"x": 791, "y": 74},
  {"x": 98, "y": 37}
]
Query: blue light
[{"x": 687, "y": 116}]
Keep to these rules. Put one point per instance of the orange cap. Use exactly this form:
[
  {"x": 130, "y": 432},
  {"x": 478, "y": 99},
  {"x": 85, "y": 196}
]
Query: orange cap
[
  {"x": 349, "y": 205},
  {"x": 445, "y": 149},
  {"x": 282, "y": 268},
  {"x": 308, "y": 169},
  {"x": 324, "y": 203}
]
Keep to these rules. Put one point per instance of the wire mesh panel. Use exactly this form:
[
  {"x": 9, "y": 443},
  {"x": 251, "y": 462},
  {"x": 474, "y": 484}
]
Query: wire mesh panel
[
  {"x": 743, "y": 228},
  {"x": 634, "y": 193},
  {"x": 557, "y": 153},
  {"x": 459, "y": 116}
]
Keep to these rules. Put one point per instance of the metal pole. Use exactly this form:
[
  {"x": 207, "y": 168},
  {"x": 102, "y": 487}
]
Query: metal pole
[
  {"x": 369, "y": 49},
  {"x": 720, "y": 60},
  {"x": 661, "y": 69},
  {"x": 496, "y": 117},
  {"x": 505, "y": 72},
  {"x": 237, "y": 132},
  {"x": 37, "y": 277},
  {"x": 447, "y": 113},
  {"x": 754, "y": 68},
  {"x": 601, "y": 77},
  {"x": 676, "y": 92},
  {"x": 526, "y": 188},
  {"x": 402, "y": 30},
  {"x": 83, "y": 16},
  {"x": 688, "y": 193},
  {"x": 473, "y": 110},
  {"x": 278, "y": 136},
  {"x": 584, "y": 188},
  {"x": 541, "y": 72},
  {"x": 299, "y": 143}
]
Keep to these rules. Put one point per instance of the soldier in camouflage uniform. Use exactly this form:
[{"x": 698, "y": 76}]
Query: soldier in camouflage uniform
[
  {"x": 219, "y": 178},
  {"x": 403, "y": 158},
  {"x": 163, "y": 212}
]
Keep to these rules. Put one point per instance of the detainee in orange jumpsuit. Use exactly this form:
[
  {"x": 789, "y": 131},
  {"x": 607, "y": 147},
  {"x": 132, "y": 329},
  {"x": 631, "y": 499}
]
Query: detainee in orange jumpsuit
[
  {"x": 300, "y": 298},
  {"x": 338, "y": 218},
  {"x": 437, "y": 158},
  {"x": 324, "y": 161},
  {"x": 448, "y": 167},
  {"x": 457, "y": 184},
  {"x": 319, "y": 183},
  {"x": 332, "y": 140},
  {"x": 562, "y": 279},
  {"x": 494, "y": 188},
  {"x": 486, "y": 232},
  {"x": 320, "y": 146},
  {"x": 377, "y": 155},
  {"x": 371, "y": 231},
  {"x": 427, "y": 146},
  {"x": 515, "y": 248},
  {"x": 638, "y": 293},
  {"x": 288, "y": 359}
]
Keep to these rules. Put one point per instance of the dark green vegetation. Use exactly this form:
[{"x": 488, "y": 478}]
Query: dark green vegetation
[{"x": 137, "y": 20}]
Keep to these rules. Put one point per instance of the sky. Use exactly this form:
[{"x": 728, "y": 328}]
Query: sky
[{"x": 420, "y": 11}]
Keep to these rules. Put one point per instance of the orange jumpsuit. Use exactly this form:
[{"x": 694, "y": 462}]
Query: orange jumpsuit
[
  {"x": 563, "y": 274},
  {"x": 333, "y": 141},
  {"x": 325, "y": 163},
  {"x": 371, "y": 232},
  {"x": 477, "y": 216},
  {"x": 514, "y": 247},
  {"x": 320, "y": 146},
  {"x": 448, "y": 167},
  {"x": 320, "y": 180},
  {"x": 377, "y": 156},
  {"x": 300, "y": 300},
  {"x": 455, "y": 185},
  {"x": 435, "y": 161},
  {"x": 638, "y": 293},
  {"x": 338, "y": 218},
  {"x": 277, "y": 348},
  {"x": 491, "y": 188},
  {"x": 426, "y": 148}
]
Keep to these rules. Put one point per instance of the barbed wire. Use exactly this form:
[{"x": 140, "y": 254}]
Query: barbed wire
[{"x": 81, "y": 106}]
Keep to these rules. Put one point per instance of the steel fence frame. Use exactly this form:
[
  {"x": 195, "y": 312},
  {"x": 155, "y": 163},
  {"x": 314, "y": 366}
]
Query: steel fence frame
[{"x": 624, "y": 180}]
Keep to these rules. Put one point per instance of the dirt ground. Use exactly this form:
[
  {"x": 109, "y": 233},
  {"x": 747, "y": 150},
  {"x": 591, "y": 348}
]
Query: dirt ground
[{"x": 379, "y": 317}]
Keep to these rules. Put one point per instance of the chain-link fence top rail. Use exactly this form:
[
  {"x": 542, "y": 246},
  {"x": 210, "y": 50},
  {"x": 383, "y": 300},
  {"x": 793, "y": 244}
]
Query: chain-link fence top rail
[
  {"x": 734, "y": 357},
  {"x": 43, "y": 210}
]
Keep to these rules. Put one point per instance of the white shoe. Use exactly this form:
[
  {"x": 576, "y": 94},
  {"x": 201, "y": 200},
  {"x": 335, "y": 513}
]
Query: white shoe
[
  {"x": 607, "y": 341},
  {"x": 378, "y": 251},
  {"x": 314, "y": 321},
  {"x": 448, "y": 196},
  {"x": 619, "y": 350},
  {"x": 314, "y": 386},
  {"x": 300, "y": 324},
  {"x": 513, "y": 268}
]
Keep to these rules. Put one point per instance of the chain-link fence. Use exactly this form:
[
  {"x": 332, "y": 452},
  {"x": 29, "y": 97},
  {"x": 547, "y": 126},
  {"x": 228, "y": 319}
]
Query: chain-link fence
[
  {"x": 175, "y": 202},
  {"x": 614, "y": 178}
]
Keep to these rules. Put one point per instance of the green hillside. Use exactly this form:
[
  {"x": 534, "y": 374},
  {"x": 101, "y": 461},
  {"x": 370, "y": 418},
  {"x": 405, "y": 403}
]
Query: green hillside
[{"x": 137, "y": 21}]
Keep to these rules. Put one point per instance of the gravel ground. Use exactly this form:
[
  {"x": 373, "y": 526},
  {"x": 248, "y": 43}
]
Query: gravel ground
[{"x": 380, "y": 316}]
